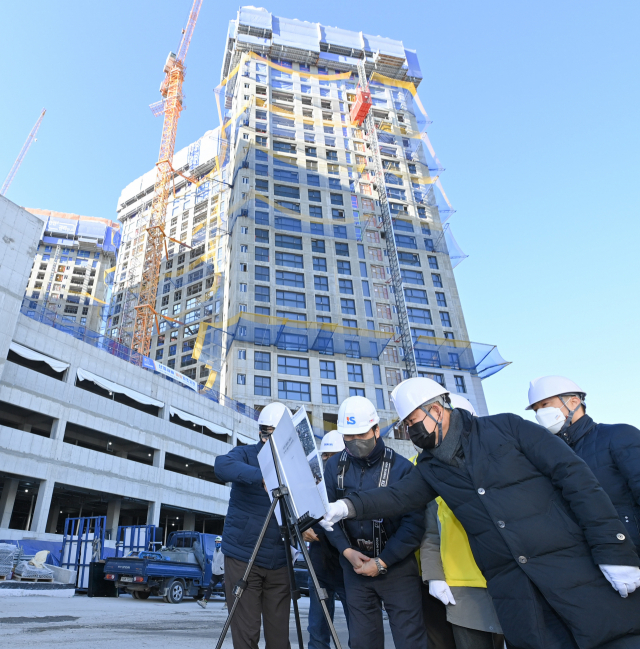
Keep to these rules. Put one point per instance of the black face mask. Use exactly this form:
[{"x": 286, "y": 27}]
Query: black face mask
[
  {"x": 360, "y": 447},
  {"x": 422, "y": 438}
]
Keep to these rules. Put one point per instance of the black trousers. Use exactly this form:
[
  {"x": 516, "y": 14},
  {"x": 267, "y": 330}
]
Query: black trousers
[
  {"x": 399, "y": 589},
  {"x": 474, "y": 639},
  {"x": 215, "y": 580},
  {"x": 267, "y": 598},
  {"x": 439, "y": 630}
]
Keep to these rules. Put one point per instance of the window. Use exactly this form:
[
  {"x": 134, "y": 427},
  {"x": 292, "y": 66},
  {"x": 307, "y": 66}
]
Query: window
[
  {"x": 241, "y": 379},
  {"x": 294, "y": 390},
  {"x": 437, "y": 280},
  {"x": 390, "y": 355},
  {"x": 356, "y": 392},
  {"x": 262, "y": 236},
  {"x": 320, "y": 264},
  {"x": 404, "y": 241},
  {"x": 342, "y": 249},
  {"x": 261, "y": 254},
  {"x": 416, "y": 295},
  {"x": 262, "y": 386},
  {"x": 242, "y": 354},
  {"x": 441, "y": 299},
  {"x": 409, "y": 259},
  {"x": 419, "y": 316},
  {"x": 392, "y": 376},
  {"x": 346, "y": 286},
  {"x": 454, "y": 361},
  {"x": 337, "y": 214},
  {"x": 262, "y": 185},
  {"x": 315, "y": 211},
  {"x": 460, "y": 386},
  {"x": 323, "y": 303},
  {"x": 159, "y": 353},
  {"x": 428, "y": 245},
  {"x": 354, "y": 373},
  {"x": 242, "y": 308},
  {"x": 311, "y": 151},
  {"x": 286, "y": 278},
  {"x": 291, "y": 365},
  {"x": 317, "y": 245},
  {"x": 332, "y": 155},
  {"x": 290, "y": 299},
  {"x": 312, "y": 179},
  {"x": 330, "y": 394},
  {"x": 363, "y": 269},
  {"x": 244, "y": 249},
  {"x": 324, "y": 319},
  {"x": 340, "y": 231},
  {"x": 383, "y": 311},
  {"x": 336, "y": 199},
  {"x": 381, "y": 291},
  {"x": 445, "y": 319},
  {"x": 289, "y": 259},
  {"x": 402, "y": 226},
  {"x": 261, "y": 170},
  {"x": 321, "y": 283},
  {"x": 262, "y": 218},
  {"x": 262, "y": 294},
  {"x": 243, "y": 289},
  {"x": 315, "y": 195},
  {"x": 449, "y": 335},
  {"x": 327, "y": 370},
  {"x": 262, "y": 274},
  {"x": 244, "y": 229},
  {"x": 287, "y": 241},
  {"x": 344, "y": 267},
  {"x": 380, "y": 398},
  {"x": 377, "y": 377},
  {"x": 347, "y": 306},
  {"x": 262, "y": 361},
  {"x": 365, "y": 288},
  {"x": 433, "y": 263},
  {"x": 286, "y": 190}
]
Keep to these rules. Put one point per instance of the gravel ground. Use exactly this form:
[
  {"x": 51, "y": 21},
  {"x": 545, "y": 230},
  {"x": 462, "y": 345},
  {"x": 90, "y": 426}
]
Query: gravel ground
[{"x": 102, "y": 623}]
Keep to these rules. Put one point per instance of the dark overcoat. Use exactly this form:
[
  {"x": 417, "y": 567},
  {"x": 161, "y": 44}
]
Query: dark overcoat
[
  {"x": 249, "y": 505},
  {"x": 539, "y": 524}
]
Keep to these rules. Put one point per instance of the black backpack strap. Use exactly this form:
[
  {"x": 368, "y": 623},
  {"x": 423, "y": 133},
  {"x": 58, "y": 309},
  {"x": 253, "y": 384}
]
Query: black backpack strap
[
  {"x": 379, "y": 533},
  {"x": 343, "y": 465}
]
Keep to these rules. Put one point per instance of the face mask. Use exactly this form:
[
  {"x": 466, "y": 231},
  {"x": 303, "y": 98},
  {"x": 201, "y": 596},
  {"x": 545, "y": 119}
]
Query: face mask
[
  {"x": 218, "y": 546},
  {"x": 360, "y": 447},
  {"x": 551, "y": 418},
  {"x": 422, "y": 438}
]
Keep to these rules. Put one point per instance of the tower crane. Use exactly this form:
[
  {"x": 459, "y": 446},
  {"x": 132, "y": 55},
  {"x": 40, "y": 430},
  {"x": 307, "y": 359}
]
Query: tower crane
[
  {"x": 23, "y": 152},
  {"x": 171, "y": 91}
]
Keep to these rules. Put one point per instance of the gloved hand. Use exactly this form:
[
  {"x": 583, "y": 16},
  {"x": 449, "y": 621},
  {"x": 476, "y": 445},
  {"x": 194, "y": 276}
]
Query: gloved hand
[
  {"x": 335, "y": 512},
  {"x": 625, "y": 579},
  {"x": 441, "y": 591}
]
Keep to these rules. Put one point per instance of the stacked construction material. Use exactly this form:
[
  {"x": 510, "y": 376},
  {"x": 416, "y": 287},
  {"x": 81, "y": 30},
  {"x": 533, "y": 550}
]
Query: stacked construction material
[
  {"x": 7, "y": 554},
  {"x": 34, "y": 570}
]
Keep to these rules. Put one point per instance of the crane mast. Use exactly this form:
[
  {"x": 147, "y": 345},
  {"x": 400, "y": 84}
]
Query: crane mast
[
  {"x": 23, "y": 152},
  {"x": 387, "y": 224},
  {"x": 171, "y": 91}
]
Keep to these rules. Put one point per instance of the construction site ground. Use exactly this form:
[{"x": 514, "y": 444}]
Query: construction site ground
[{"x": 102, "y": 623}]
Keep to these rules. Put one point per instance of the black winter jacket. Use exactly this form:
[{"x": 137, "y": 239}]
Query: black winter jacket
[
  {"x": 249, "y": 504},
  {"x": 612, "y": 452},
  {"x": 538, "y": 524},
  {"x": 404, "y": 532}
]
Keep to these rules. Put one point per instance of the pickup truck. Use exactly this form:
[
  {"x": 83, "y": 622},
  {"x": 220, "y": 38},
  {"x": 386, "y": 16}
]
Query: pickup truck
[{"x": 182, "y": 568}]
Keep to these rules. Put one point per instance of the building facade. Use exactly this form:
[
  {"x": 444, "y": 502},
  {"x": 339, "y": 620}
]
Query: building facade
[
  {"x": 73, "y": 267},
  {"x": 285, "y": 291}
]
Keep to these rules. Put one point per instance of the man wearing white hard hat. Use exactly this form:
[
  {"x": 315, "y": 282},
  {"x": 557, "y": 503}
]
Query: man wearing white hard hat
[
  {"x": 326, "y": 562},
  {"x": 267, "y": 598},
  {"x": 377, "y": 556},
  {"x": 611, "y": 451},
  {"x": 558, "y": 562}
]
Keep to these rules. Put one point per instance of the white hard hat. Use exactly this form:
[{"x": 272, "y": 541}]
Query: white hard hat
[
  {"x": 463, "y": 404},
  {"x": 545, "y": 387},
  {"x": 270, "y": 415},
  {"x": 332, "y": 442},
  {"x": 218, "y": 539},
  {"x": 356, "y": 415},
  {"x": 414, "y": 392}
]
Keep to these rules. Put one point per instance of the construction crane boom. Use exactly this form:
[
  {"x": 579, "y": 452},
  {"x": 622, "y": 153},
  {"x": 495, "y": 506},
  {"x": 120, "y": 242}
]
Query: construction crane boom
[
  {"x": 23, "y": 152},
  {"x": 171, "y": 91}
]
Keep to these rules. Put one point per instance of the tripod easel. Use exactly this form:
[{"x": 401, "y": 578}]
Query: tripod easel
[{"x": 291, "y": 531}]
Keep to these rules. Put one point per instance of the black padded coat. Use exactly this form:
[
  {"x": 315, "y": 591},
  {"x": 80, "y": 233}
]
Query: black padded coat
[{"x": 538, "y": 524}]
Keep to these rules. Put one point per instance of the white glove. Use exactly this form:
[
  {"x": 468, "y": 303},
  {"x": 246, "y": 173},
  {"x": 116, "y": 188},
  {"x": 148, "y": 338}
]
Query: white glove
[
  {"x": 335, "y": 512},
  {"x": 625, "y": 579},
  {"x": 441, "y": 591}
]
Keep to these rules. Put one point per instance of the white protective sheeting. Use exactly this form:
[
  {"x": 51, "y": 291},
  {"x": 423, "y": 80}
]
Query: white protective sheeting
[
  {"x": 255, "y": 17},
  {"x": 245, "y": 439},
  {"x": 295, "y": 33},
  {"x": 341, "y": 37},
  {"x": 194, "y": 419},
  {"x": 387, "y": 46},
  {"x": 85, "y": 375},
  {"x": 32, "y": 355}
]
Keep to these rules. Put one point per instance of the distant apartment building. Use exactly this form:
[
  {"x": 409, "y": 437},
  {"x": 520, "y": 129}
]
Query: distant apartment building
[
  {"x": 73, "y": 268},
  {"x": 285, "y": 291}
]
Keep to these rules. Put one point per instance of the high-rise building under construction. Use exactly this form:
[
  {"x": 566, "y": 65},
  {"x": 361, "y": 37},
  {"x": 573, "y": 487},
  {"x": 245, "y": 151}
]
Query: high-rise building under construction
[{"x": 318, "y": 258}]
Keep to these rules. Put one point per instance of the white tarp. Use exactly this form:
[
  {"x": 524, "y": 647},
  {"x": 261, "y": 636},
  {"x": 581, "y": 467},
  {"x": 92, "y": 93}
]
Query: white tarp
[
  {"x": 245, "y": 439},
  {"x": 32, "y": 355},
  {"x": 85, "y": 375},
  {"x": 194, "y": 419}
]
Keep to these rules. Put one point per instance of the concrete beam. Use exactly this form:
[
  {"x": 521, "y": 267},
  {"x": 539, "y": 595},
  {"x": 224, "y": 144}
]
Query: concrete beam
[{"x": 8, "y": 498}]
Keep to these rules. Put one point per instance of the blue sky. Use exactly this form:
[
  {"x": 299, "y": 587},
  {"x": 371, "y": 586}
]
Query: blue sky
[{"x": 534, "y": 109}]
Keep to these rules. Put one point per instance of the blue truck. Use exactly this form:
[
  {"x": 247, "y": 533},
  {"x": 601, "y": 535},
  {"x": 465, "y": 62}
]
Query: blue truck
[{"x": 181, "y": 569}]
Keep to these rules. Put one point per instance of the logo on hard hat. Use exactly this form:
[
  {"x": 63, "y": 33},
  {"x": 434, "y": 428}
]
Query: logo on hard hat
[{"x": 351, "y": 421}]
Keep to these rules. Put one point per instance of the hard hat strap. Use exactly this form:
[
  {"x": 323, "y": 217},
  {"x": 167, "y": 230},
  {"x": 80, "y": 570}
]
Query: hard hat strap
[
  {"x": 569, "y": 419},
  {"x": 439, "y": 423}
]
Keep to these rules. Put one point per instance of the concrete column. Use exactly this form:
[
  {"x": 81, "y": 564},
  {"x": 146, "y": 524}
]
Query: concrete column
[
  {"x": 9, "y": 491},
  {"x": 43, "y": 504},
  {"x": 189, "y": 521},
  {"x": 113, "y": 516},
  {"x": 158, "y": 458},
  {"x": 54, "y": 514},
  {"x": 153, "y": 513},
  {"x": 58, "y": 428}
]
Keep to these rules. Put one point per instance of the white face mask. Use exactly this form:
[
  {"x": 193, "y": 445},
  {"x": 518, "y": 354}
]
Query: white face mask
[{"x": 551, "y": 418}]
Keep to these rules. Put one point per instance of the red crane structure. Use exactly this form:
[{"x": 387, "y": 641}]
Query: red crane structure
[{"x": 23, "y": 152}]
